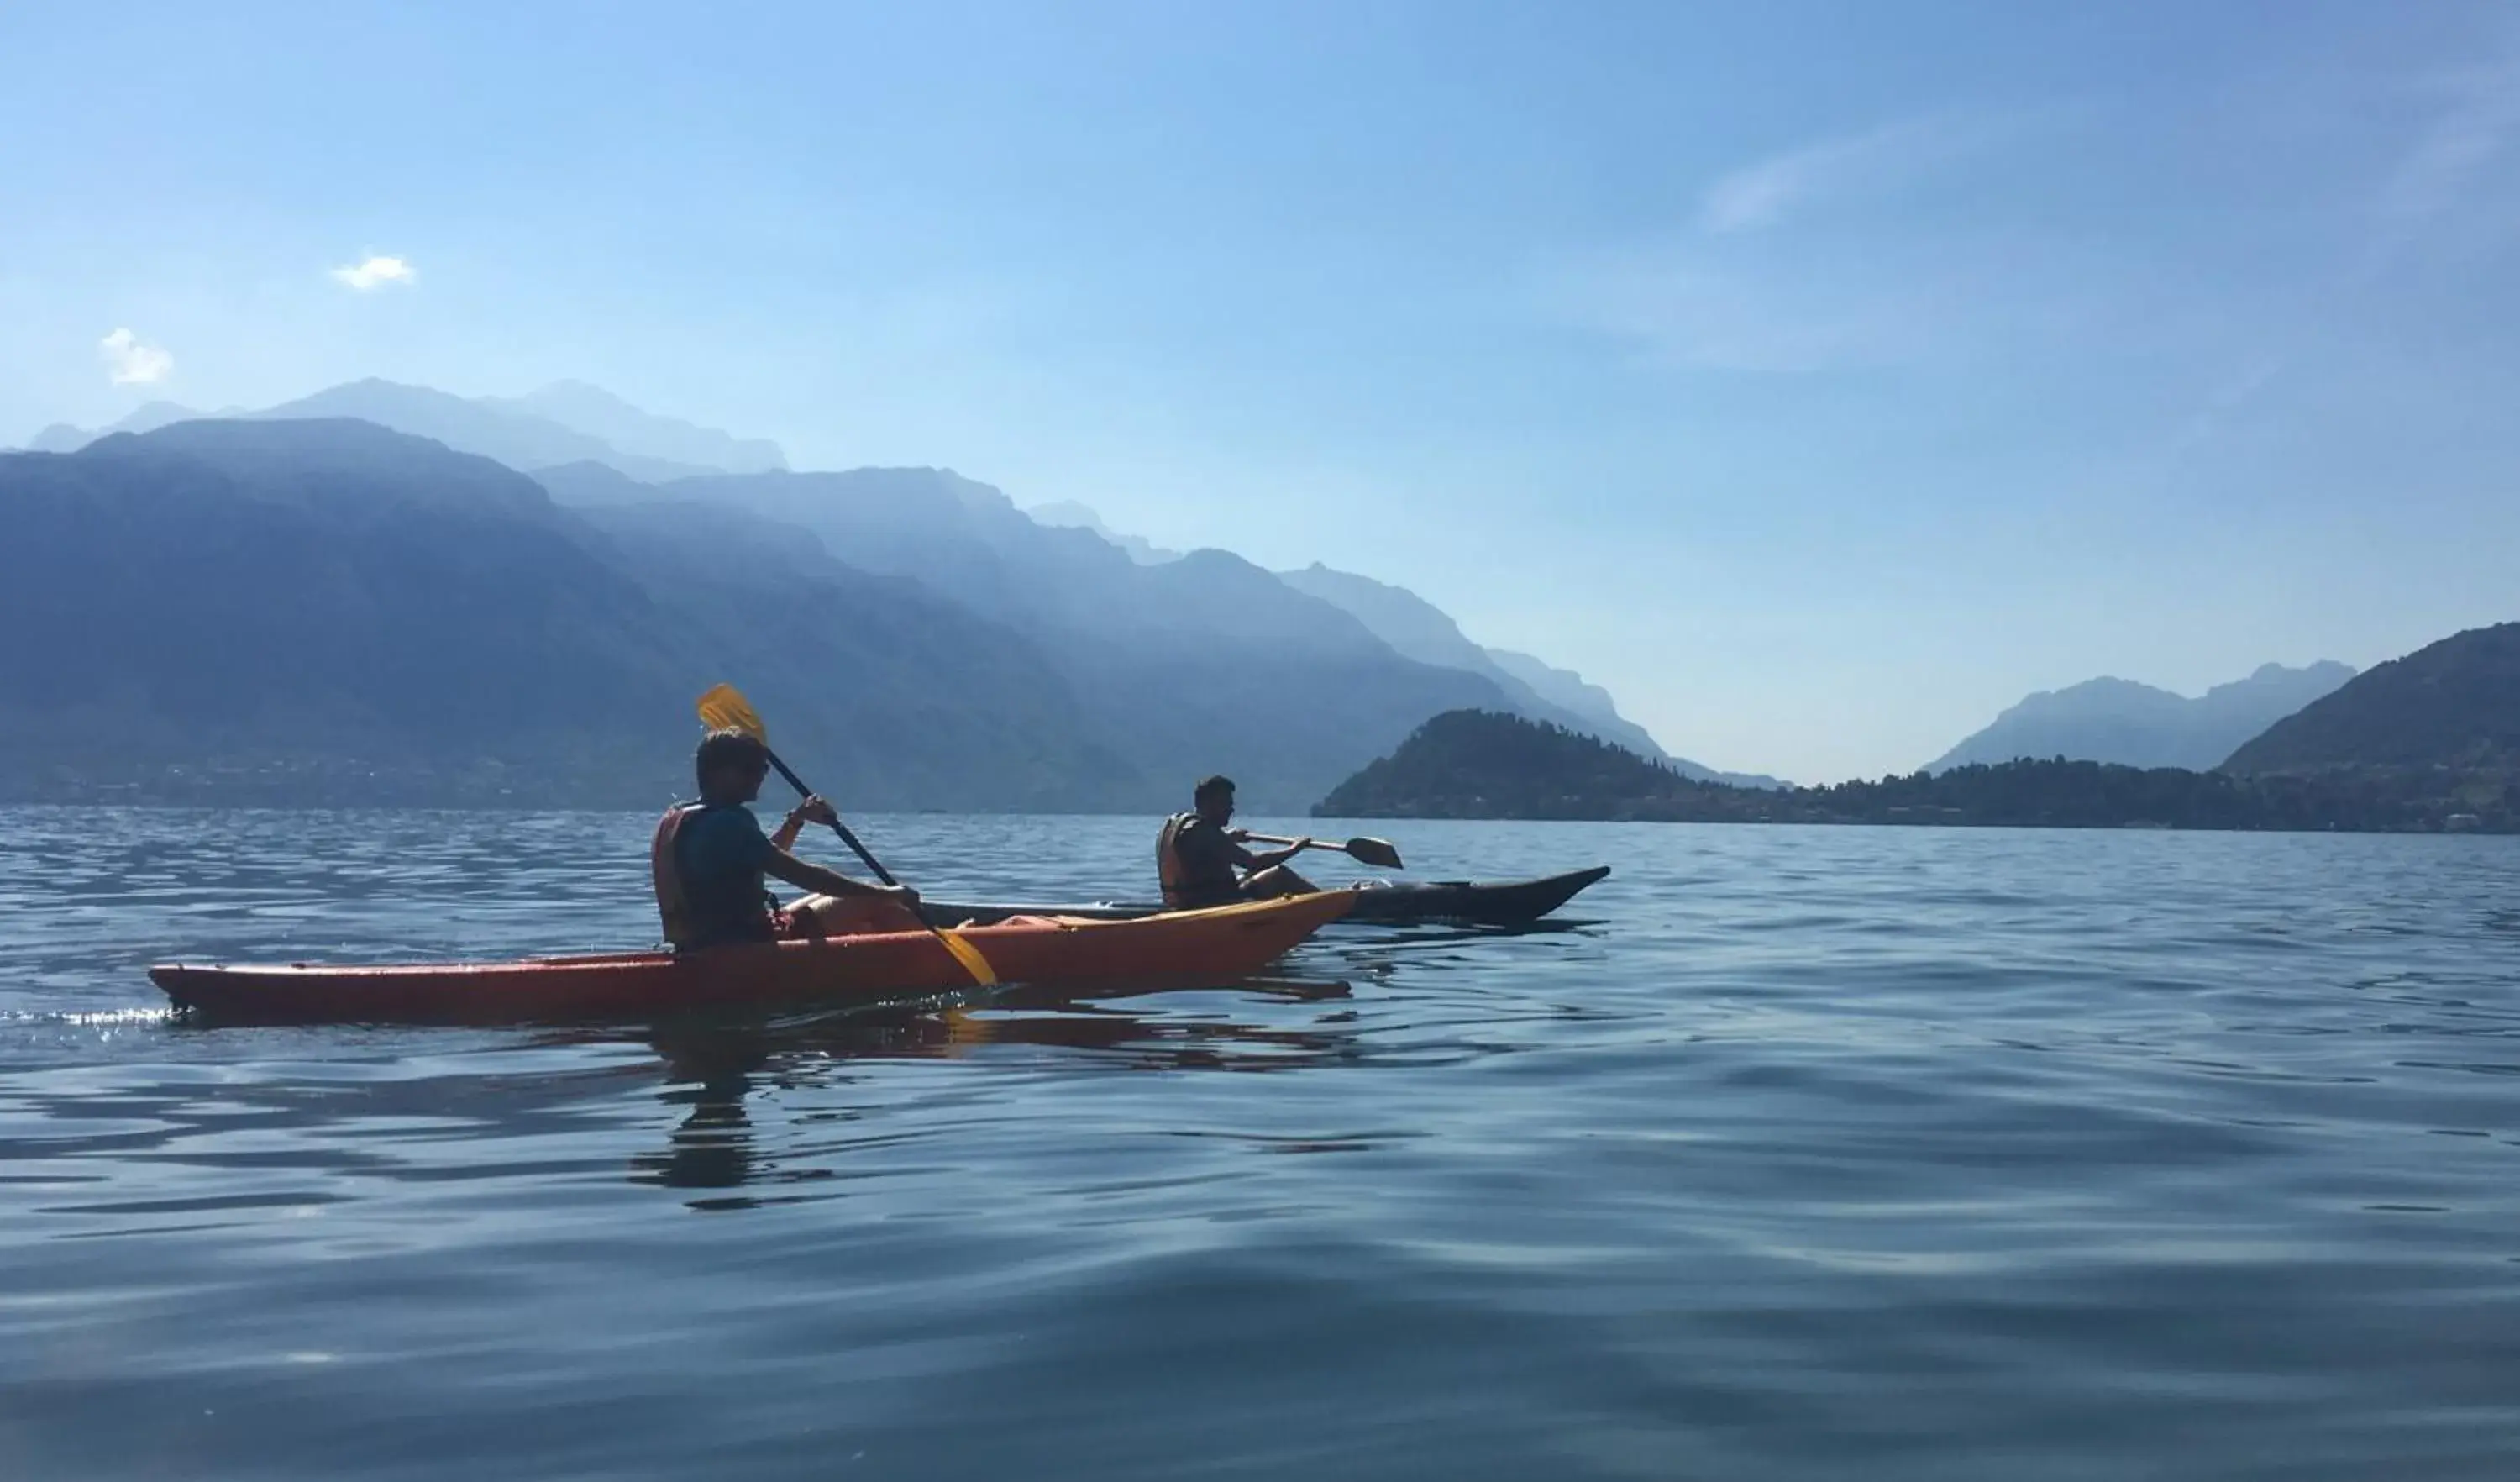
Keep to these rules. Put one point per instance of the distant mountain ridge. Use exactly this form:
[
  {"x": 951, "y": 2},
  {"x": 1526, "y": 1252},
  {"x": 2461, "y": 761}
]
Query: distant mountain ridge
[
  {"x": 324, "y": 611},
  {"x": 1206, "y": 663},
  {"x": 2453, "y": 704},
  {"x": 1069, "y": 515},
  {"x": 2135, "y": 725},
  {"x": 568, "y": 422},
  {"x": 1417, "y": 629},
  {"x": 1568, "y": 689},
  {"x": 640, "y": 433},
  {"x": 522, "y": 440},
  {"x": 148, "y": 417},
  {"x": 1116, "y": 608}
]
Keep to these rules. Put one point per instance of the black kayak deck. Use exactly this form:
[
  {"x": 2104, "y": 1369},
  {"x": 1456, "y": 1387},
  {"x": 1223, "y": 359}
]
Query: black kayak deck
[{"x": 1477, "y": 903}]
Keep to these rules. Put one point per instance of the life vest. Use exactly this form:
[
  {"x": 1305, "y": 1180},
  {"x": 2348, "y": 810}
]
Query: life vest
[
  {"x": 674, "y": 903},
  {"x": 671, "y": 907},
  {"x": 1168, "y": 865},
  {"x": 1182, "y": 890}
]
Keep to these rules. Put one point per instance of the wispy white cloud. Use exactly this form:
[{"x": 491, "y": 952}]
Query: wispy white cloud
[
  {"x": 1733, "y": 290},
  {"x": 2475, "y": 127},
  {"x": 2226, "y": 401},
  {"x": 375, "y": 272},
  {"x": 2472, "y": 125},
  {"x": 1941, "y": 298},
  {"x": 1875, "y": 162},
  {"x": 133, "y": 362},
  {"x": 1680, "y": 310}
]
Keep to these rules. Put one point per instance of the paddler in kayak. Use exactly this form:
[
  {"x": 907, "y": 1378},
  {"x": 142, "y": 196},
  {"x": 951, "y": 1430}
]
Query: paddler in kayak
[
  {"x": 711, "y": 859},
  {"x": 1198, "y": 853}
]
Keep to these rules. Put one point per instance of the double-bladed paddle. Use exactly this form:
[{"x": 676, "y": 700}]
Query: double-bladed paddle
[
  {"x": 1365, "y": 851},
  {"x": 724, "y": 708}
]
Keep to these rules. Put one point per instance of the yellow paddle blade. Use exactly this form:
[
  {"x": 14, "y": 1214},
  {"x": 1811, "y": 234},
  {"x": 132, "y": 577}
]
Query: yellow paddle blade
[
  {"x": 970, "y": 956},
  {"x": 724, "y": 708}
]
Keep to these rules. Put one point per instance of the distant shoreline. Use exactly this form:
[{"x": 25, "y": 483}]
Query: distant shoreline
[
  {"x": 2480, "y": 831},
  {"x": 1480, "y": 764}
]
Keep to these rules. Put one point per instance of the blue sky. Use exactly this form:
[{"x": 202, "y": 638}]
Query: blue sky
[{"x": 1820, "y": 379}]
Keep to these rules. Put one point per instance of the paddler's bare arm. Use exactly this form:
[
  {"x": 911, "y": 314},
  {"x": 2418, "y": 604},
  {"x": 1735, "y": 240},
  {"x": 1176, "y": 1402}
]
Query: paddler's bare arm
[
  {"x": 806, "y": 876},
  {"x": 812, "y": 810},
  {"x": 1255, "y": 863},
  {"x": 784, "y": 864}
]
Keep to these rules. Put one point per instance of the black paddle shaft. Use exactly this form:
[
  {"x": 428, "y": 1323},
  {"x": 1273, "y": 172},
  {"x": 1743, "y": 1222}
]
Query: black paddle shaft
[{"x": 846, "y": 837}]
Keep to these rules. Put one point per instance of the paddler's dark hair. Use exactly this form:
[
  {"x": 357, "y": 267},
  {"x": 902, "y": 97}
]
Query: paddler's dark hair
[
  {"x": 1211, "y": 787},
  {"x": 720, "y": 750}
]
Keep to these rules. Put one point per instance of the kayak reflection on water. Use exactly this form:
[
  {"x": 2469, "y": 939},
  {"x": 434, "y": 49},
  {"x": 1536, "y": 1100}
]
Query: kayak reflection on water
[{"x": 715, "y": 1068}]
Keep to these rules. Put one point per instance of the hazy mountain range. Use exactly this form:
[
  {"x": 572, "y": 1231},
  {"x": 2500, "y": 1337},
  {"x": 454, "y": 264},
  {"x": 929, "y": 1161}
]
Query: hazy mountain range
[
  {"x": 1417, "y": 629},
  {"x": 363, "y": 561},
  {"x": 515, "y": 599},
  {"x": 597, "y": 413},
  {"x": 567, "y": 422},
  {"x": 2116, "y": 720},
  {"x": 235, "y": 596},
  {"x": 1071, "y": 516},
  {"x": 1204, "y": 663}
]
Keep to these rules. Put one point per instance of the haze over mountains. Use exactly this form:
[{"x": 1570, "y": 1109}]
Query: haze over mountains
[
  {"x": 1029, "y": 659},
  {"x": 1207, "y": 656},
  {"x": 1417, "y": 629},
  {"x": 1069, "y": 515},
  {"x": 597, "y": 413},
  {"x": 567, "y": 422},
  {"x": 2120, "y": 721},
  {"x": 324, "y": 610},
  {"x": 912, "y": 613}
]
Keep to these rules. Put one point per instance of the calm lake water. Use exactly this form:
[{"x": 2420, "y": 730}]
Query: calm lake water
[{"x": 1876, "y": 1153}]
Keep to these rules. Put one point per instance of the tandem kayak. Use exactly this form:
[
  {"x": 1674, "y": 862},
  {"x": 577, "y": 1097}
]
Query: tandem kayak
[
  {"x": 1227, "y": 942},
  {"x": 1478, "y": 903}
]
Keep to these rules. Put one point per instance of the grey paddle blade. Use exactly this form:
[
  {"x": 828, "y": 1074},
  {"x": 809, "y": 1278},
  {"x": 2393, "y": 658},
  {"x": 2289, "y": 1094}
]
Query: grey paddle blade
[{"x": 1374, "y": 851}]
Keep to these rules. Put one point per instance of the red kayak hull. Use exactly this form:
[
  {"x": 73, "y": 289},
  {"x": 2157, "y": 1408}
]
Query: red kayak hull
[{"x": 1225, "y": 943}]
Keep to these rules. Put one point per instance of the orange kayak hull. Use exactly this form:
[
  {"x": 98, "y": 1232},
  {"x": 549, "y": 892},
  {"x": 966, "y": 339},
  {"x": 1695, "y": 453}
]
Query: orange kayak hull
[{"x": 1215, "y": 945}]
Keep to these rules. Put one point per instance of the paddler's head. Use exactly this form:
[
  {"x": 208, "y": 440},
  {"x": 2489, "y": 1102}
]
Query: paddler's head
[
  {"x": 1214, "y": 799},
  {"x": 731, "y": 766}
]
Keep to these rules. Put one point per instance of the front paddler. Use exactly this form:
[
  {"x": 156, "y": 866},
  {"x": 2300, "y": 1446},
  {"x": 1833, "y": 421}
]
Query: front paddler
[
  {"x": 1197, "y": 854},
  {"x": 711, "y": 859}
]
